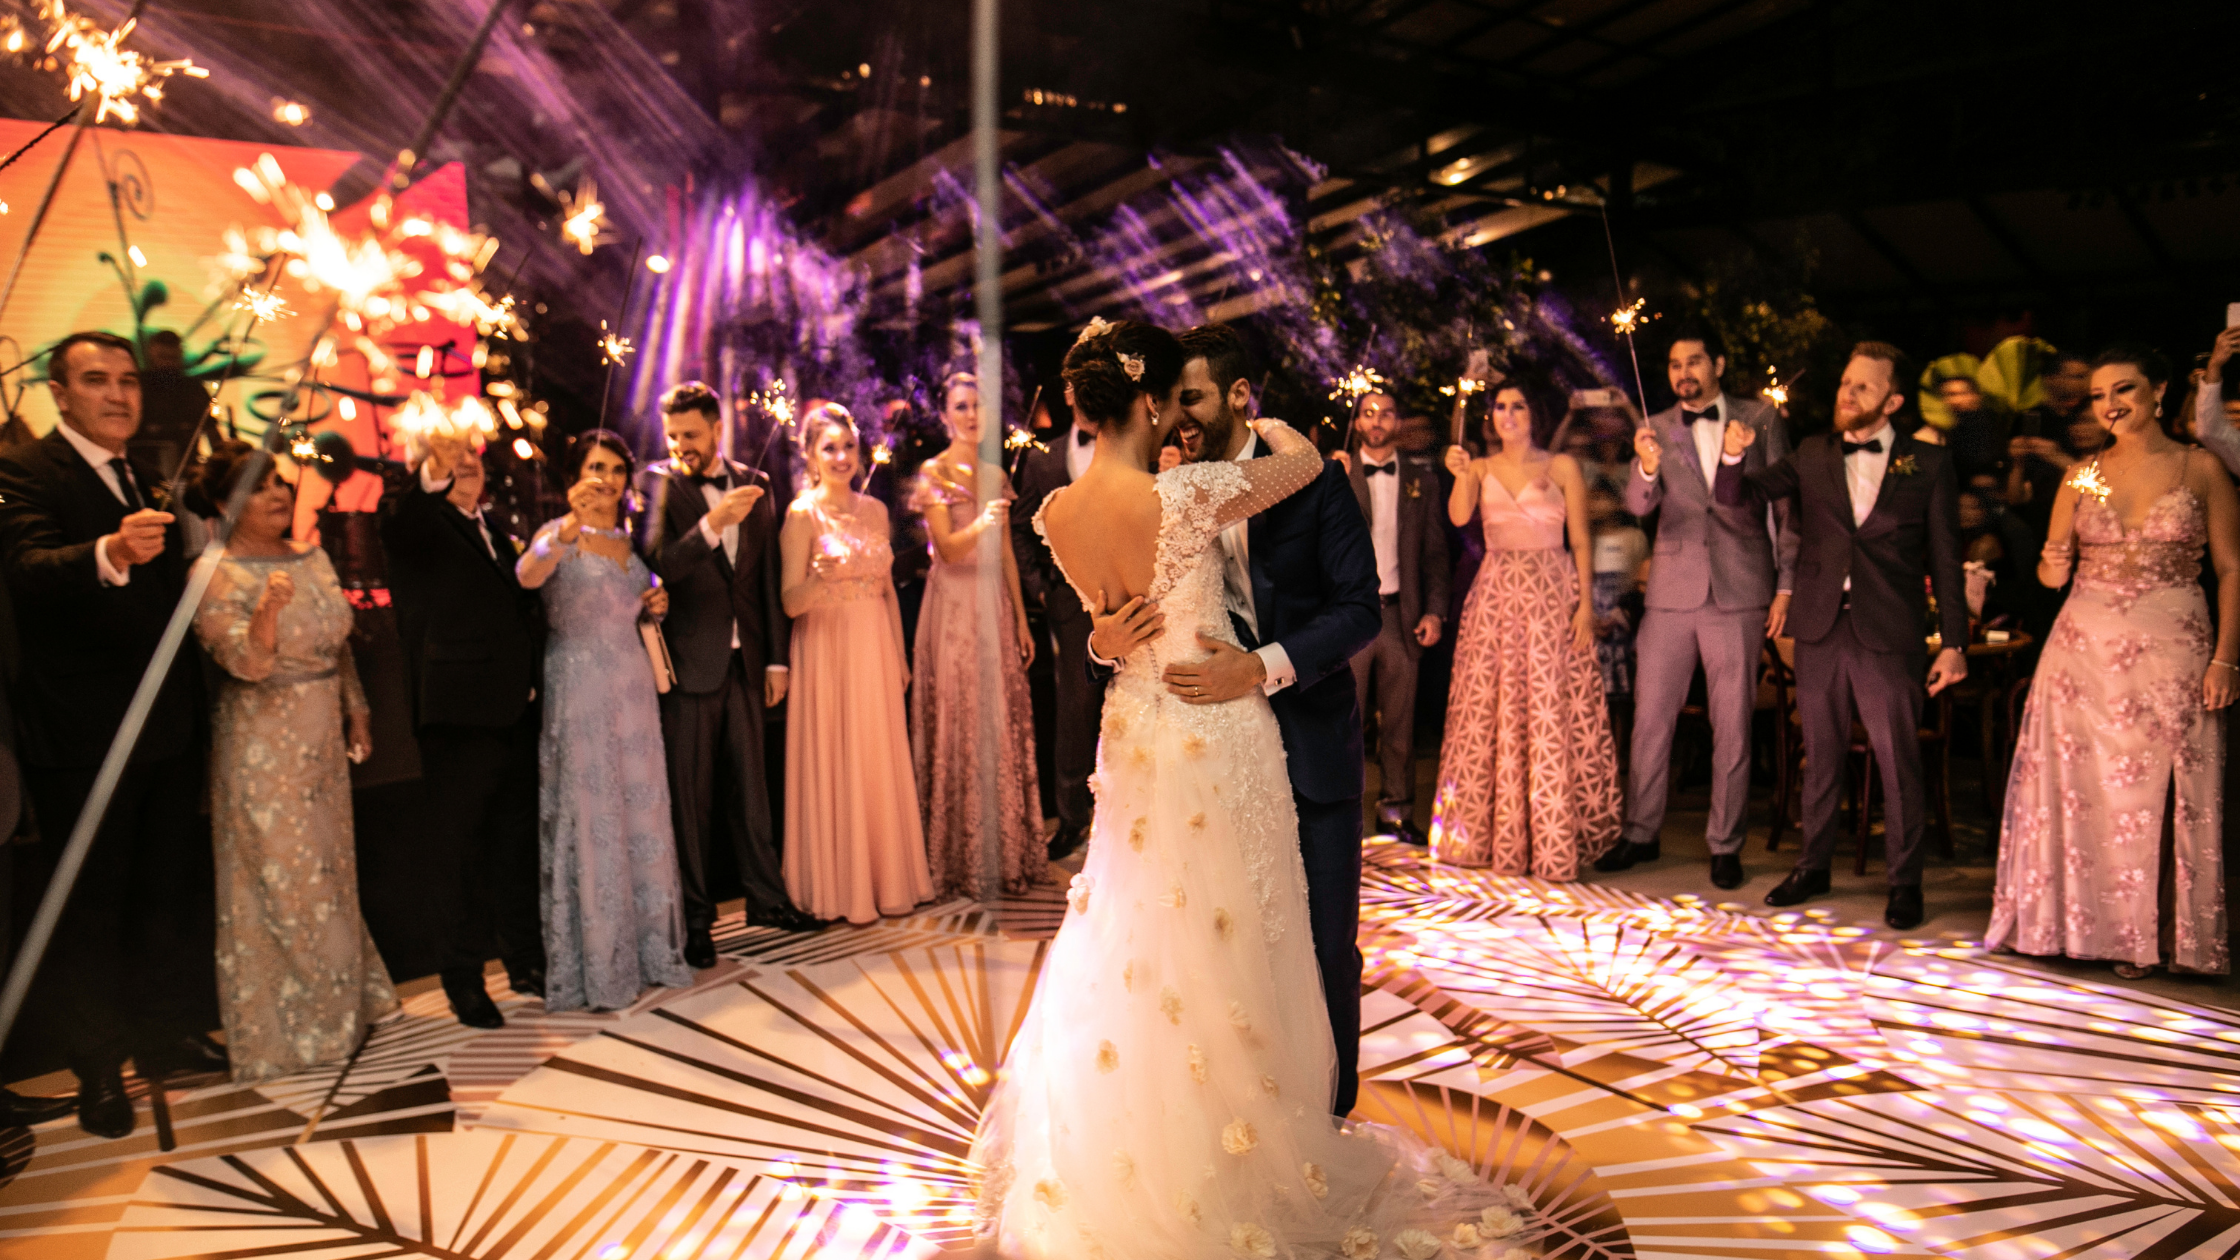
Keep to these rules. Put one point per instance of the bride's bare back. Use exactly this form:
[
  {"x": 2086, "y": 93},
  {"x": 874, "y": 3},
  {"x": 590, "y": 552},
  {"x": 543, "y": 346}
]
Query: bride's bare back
[{"x": 1104, "y": 530}]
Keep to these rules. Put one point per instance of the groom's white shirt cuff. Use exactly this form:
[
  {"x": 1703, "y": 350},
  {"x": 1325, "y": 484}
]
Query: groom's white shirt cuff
[{"x": 1278, "y": 664}]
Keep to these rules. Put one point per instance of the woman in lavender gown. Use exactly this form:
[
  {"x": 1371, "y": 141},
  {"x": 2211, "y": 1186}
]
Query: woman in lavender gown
[
  {"x": 2125, "y": 715},
  {"x": 613, "y": 922}
]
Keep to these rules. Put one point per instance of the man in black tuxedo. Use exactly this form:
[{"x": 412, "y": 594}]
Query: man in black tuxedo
[
  {"x": 711, "y": 532},
  {"x": 1080, "y": 691},
  {"x": 1301, "y": 582},
  {"x": 474, "y": 654},
  {"x": 1875, "y": 512},
  {"x": 1400, "y": 499},
  {"x": 95, "y": 566}
]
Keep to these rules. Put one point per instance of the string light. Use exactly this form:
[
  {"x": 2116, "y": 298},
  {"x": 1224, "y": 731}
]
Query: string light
[
  {"x": 98, "y": 63},
  {"x": 290, "y": 113},
  {"x": 658, "y": 265}
]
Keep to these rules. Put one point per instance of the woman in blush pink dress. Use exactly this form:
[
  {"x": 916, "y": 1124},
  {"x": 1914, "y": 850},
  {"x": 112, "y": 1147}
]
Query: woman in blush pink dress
[
  {"x": 948, "y": 709},
  {"x": 2124, "y": 714},
  {"x": 854, "y": 848},
  {"x": 1528, "y": 775}
]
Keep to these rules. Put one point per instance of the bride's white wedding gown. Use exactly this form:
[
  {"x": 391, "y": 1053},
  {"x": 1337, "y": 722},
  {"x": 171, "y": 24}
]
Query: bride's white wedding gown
[{"x": 1167, "y": 1094}]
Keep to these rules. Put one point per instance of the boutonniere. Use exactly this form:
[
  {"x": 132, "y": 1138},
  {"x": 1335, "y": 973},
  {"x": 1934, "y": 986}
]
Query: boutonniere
[
  {"x": 159, "y": 496},
  {"x": 1903, "y": 466},
  {"x": 518, "y": 547},
  {"x": 1414, "y": 489}
]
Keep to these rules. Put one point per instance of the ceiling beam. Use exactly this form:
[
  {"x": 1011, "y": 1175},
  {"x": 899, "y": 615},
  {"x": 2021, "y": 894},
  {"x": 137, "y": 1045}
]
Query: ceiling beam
[
  {"x": 1889, "y": 252},
  {"x": 1700, "y": 20}
]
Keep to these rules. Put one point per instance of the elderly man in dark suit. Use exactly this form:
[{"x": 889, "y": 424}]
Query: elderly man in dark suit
[
  {"x": 1080, "y": 696},
  {"x": 474, "y": 652},
  {"x": 1719, "y": 586},
  {"x": 1399, "y": 497},
  {"x": 1876, "y": 513},
  {"x": 711, "y": 532},
  {"x": 94, "y": 566}
]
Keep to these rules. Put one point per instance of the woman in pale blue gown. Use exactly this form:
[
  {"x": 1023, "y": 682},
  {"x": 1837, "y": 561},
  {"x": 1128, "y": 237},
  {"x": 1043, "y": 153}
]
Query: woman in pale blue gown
[{"x": 613, "y": 921}]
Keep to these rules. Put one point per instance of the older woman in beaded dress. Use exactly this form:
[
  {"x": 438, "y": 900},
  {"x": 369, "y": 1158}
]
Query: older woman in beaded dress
[
  {"x": 299, "y": 981},
  {"x": 2126, "y": 710}
]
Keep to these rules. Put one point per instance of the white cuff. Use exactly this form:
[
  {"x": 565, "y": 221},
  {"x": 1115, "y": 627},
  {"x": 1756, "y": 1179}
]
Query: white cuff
[
  {"x": 110, "y": 574},
  {"x": 714, "y": 539},
  {"x": 777, "y": 669},
  {"x": 1646, "y": 475},
  {"x": 1280, "y": 672},
  {"x": 1725, "y": 458},
  {"x": 430, "y": 484},
  {"x": 1099, "y": 660}
]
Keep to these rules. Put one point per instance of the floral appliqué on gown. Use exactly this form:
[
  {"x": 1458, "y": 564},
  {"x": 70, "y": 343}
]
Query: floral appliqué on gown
[
  {"x": 2114, "y": 722},
  {"x": 1167, "y": 1094}
]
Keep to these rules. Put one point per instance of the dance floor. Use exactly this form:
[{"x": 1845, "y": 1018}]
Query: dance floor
[{"x": 1667, "y": 1078}]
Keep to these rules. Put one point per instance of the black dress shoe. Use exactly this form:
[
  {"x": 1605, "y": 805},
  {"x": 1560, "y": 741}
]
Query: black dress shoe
[
  {"x": 1800, "y": 885},
  {"x": 1406, "y": 832},
  {"x": 1904, "y": 912},
  {"x": 1067, "y": 841},
  {"x": 188, "y": 1056},
  {"x": 474, "y": 1007},
  {"x": 526, "y": 983},
  {"x": 699, "y": 949},
  {"x": 104, "y": 1109},
  {"x": 786, "y": 919},
  {"x": 1726, "y": 870},
  {"x": 18, "y": 1110},
  {"x": 1627, "y": 853}
]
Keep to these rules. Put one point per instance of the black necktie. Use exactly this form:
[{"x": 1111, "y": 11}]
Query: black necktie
[
  {"x": 124, "y": 484},
  {"x": 1371, "y": 470},
  {"x": 1872, "y": 446},
  {"x": 1082, "y": 437},
  {"x": 1690, "y": 417}
]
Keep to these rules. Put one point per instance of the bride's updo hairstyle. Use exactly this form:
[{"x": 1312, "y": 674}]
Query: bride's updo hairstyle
[{"x": 1113, "y": 362}]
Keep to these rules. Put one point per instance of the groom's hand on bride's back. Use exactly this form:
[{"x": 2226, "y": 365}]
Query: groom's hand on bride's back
[
  {"x": 1227, "y": 673},
  {"x": 1115, "y": 632}
]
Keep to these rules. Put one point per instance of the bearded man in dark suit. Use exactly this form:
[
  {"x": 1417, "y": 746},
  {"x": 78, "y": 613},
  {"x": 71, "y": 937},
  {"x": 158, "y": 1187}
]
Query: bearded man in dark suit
[
  {"x": 95, "y": 566},
  {"x": 1876, "y": 513}
]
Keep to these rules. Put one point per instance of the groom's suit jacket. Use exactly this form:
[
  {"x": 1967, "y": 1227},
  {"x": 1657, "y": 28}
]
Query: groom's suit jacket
[
  {"x": 708, "y": 594},
  {"x": 1314, "y": 590},
  {"x": 1914, "y": 530}
]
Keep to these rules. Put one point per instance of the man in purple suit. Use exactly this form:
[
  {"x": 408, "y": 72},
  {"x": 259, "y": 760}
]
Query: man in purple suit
[
  {"x": 1719, "y": 586},
  {"x": 1876, "y": 513}
]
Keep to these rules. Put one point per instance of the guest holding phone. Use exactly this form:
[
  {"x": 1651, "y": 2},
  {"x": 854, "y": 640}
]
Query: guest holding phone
[{"x": 613, "y": 918}]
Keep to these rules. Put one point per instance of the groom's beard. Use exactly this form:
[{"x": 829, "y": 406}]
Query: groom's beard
[{"x": 1211, "y": 440}]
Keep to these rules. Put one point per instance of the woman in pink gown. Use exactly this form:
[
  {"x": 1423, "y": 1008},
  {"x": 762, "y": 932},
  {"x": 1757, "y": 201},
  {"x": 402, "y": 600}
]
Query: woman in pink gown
[
  {"x": 1528, "y": 775},
  {"x": 948, "y": 708},
  {"x": 854, "y": 849},
  {"x": 2123, "y": 715}
]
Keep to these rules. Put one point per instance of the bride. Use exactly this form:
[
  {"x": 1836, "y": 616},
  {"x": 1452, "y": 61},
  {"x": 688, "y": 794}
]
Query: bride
[{"x": 1167, "y": 1093}]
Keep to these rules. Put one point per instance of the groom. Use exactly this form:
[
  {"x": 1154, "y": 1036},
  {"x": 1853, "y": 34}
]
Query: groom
[{"x": 1301, "y": 585}]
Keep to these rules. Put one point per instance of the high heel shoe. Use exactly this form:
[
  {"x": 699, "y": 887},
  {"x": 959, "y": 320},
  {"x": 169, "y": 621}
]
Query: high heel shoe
[{"x": 2133, "y": 971}]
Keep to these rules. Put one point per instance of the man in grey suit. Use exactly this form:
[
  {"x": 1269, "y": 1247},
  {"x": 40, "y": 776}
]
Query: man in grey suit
[
  {"x": 1400, "y": 499},
  {"x": 1719, "y": 584}
]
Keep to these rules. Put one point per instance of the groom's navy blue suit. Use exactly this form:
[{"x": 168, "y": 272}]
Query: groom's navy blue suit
[{"x": 1314, "y": 590}]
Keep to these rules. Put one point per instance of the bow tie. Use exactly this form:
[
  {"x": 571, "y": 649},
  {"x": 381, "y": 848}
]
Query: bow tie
[
  {"x": 1371, "y": 470},
  {"x": 721, "y": 481},
  {"x": 1082, "y": 437},
  {"x": 1872, "y": 446},
  {"x": 1693, "y": 417}
]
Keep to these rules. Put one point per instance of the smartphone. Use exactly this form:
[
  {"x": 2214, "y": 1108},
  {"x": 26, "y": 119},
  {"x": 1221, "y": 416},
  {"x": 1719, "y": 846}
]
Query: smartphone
[
  {"x": 2232, "y": 314},
  {"x": 1598, "y": 398}
]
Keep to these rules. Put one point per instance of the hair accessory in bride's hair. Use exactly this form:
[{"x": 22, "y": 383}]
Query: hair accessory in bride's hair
[
  {"x": 1097, "y": 328},
  {"x": 1132, "y": 364}
]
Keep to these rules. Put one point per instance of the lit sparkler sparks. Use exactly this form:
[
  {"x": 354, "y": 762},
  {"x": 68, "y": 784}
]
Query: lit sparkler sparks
[
  {"x": 1776, "y": 390},
  {"x": 776, "y": 401},
  {"x": 2088, "y": 481},
  {"x": 1019, "y": 439},
  {"x": 613, "y": 347},
  {"x": 98, "y": 63},
  {"x": 883, "y": 454},
  {"x": 1627, "y": 320},
  {"x": 263, "y": 304},
  {"x": 583, "y": 224},
  {"x": 1361, "y": 380}
]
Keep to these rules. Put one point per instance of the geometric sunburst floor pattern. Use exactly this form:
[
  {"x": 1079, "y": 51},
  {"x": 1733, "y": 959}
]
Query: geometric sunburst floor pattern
[{"x": 1667, "y": 1079}]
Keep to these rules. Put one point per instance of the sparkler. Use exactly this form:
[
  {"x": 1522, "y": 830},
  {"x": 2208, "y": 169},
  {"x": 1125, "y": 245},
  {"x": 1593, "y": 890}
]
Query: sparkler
[
  {"x": 1361, "y": 380},
  {"x": 613, "y": 347},
  {"x": 1776, "y": 391},
  {"x": 98, "y": 64},
  {"x": 1627, "y": 320},
  {"x": 775, "y": 402},
  {"x": 585, "y": 217},
  {"x": 263, "y": 305},
  {"x": 2088, "y": 481}
]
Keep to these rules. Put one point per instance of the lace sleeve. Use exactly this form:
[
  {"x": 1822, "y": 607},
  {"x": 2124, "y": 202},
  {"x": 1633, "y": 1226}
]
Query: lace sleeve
[
  {"x": 222, "y": 624},
  {"x": 1219, "y": 493}
]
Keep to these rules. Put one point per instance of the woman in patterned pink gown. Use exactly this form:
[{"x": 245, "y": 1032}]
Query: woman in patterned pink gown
[
  {"x": 1528, "y": 776},
  {"x": 2124, "y": 714},
  {"x": 948, "y": 707}
]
